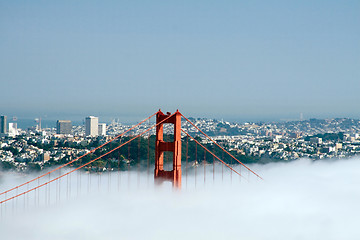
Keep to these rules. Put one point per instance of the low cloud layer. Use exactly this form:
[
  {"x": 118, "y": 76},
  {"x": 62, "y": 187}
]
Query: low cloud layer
[{"x": 298, "y": 200}]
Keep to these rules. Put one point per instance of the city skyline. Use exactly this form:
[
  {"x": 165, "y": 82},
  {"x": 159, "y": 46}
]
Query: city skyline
[
  {"x": 116, "y": 115},
  {"x": 248, "y": 60}
]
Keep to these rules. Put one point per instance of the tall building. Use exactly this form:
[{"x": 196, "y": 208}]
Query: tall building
[
  {"x": 63, "y": 127},
  {"x": 102, "y": 129},
  {"x": 3, "y": 125},
  {"x": 91, "y": 126},
  {"x": 13, "y": 130}
]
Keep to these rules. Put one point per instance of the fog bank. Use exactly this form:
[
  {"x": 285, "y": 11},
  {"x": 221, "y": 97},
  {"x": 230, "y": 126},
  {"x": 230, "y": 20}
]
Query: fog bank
[{"x": 297, "y": 200}]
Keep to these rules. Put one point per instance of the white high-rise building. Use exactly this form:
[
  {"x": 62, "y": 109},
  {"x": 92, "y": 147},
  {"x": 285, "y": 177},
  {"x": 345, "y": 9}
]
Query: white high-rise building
[
  {"x": 91, "y": 126},
  {"x": 13, "y": 130},
  {"x": 102, "y": 129}
]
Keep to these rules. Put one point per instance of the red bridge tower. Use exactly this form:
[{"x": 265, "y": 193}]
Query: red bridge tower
[{"x": 174, "y": 147}]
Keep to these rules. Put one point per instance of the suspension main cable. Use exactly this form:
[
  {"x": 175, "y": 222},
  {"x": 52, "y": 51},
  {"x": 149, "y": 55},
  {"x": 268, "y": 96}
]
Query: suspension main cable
[
  {"x": 64, "y": 165},
  {"x": 25, "y": 192},
  {"x": 220, "y": 146}
]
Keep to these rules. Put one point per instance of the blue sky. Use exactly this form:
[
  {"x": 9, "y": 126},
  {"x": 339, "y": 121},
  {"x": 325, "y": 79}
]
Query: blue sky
[{"x": 226, "y": 59}]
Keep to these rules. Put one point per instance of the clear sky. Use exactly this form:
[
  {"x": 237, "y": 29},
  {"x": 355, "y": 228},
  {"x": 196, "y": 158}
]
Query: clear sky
[{"x": 223, "y": 59}]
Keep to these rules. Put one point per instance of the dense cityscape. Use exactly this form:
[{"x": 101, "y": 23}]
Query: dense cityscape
[{"x": 36, "y": 147}]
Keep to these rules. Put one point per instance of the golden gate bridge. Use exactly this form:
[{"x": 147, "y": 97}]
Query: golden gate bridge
[{"x": 161, "y": 147}]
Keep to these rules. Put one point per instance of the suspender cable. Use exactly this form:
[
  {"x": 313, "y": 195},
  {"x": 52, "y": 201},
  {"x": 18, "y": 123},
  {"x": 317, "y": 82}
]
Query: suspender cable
[
  {"x": 186, "y": 156},
  {"x": 148, "y": 152},
  {"x": 138, "y": 160},
  {"x": 213, "y": 169},
  {"x": 204, "y": 165},
  {"x": 195, "y": 161},
  {"x": 128, "y": 157},
  {"x": 222, "y": 168}
]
